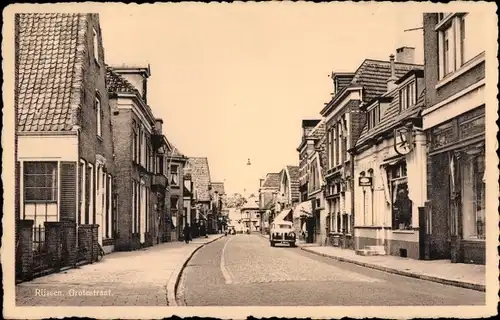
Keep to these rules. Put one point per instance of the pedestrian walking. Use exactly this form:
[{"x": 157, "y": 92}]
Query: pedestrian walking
[{"x": 187, "y": 233}]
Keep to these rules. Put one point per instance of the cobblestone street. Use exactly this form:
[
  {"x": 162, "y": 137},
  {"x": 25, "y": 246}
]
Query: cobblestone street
[{"x": 137, "y": 278}]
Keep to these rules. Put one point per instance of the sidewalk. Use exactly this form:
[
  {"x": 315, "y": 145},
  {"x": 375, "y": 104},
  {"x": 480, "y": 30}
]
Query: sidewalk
[
  {"x": 146, "y": 277},
  {"x": 442, "y": 271}
]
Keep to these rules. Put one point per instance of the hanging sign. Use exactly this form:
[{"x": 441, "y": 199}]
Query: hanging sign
[
  {"x": 403, "y": 140},
  {"x": 365, "y": 181}
]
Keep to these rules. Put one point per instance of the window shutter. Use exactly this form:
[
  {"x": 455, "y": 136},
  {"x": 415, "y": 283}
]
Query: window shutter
[{"x": 68, "y": 191}]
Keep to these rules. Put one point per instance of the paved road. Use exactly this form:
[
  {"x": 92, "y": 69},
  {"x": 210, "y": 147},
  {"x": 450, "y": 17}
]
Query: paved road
[{"x": 243, "y": 270}]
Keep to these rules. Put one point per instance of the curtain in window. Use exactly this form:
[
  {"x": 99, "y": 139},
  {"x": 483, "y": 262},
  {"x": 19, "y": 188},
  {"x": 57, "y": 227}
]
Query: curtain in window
[{"x": 383, "y": 176}]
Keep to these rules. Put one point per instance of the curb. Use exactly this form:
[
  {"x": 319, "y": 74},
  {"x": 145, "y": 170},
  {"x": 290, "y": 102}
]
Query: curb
[
  {"x": 467, "y": 285},
  {"x": 173, "y": 282}
]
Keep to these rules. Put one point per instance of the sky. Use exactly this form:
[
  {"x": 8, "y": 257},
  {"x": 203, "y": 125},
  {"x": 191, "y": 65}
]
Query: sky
[{"x": 233, "y": 82}]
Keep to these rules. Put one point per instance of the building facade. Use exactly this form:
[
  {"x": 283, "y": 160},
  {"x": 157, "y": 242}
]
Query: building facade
[
  {"x": 268, "y": 191},
  {"x": 62, "y": 103},
  {"x": 199, "y": 170},
  {"x": 288, "y": 195},
  {"x": 180, "y": 209},
  {"x": 218, "y": 195},
  {"x": 133, "y": 127},
  {"x": 390, "y": 172},
  {"x": 455, "y": 125},
  {"x": 344, "y": 122},
  {"x": 250, "y": 215}
]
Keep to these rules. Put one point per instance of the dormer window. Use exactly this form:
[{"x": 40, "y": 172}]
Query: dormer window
[
  {"x": 408, "y": 96},
  {"x": 373, "y": 117}
]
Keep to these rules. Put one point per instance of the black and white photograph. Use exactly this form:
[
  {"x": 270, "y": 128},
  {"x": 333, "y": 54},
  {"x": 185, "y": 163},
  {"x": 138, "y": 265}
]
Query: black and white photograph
[{"x": 227, "y": 160}]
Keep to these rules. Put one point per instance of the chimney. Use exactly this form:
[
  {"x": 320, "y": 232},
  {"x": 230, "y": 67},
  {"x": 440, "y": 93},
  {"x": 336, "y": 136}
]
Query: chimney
[
  {"x": 392, "y": 79},
  {"x": 261, "y": 182},
  {"x": 137, "y": 76},
  {"x": 159, "y": 125},
  {"x": 405, "y": 55}
]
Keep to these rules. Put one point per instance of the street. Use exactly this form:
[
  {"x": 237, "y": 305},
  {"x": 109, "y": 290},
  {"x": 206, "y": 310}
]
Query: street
[{"x": 243, "y": 270}]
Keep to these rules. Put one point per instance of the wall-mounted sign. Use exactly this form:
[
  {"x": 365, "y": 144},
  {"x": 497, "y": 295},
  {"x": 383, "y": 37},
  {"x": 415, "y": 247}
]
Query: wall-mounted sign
[
  {"x": 403, "y": 140},
  {"x": 365, "y": 181}
]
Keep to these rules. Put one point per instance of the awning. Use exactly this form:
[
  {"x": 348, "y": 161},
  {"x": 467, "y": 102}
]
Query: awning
[
  {"x": 282, "y": 215},
  {"x": 303, "y": 209}
]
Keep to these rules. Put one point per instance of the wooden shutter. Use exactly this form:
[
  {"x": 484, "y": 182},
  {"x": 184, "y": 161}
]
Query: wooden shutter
[{"x": 68, "y": 191}]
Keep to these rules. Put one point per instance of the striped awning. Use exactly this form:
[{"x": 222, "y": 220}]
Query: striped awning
[
  {"x": 282, "y": 215},
  {"x": 303, "y": 209}
]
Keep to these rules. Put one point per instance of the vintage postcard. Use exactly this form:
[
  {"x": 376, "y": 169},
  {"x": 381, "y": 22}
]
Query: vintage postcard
[{"x": 227, "y": 160}]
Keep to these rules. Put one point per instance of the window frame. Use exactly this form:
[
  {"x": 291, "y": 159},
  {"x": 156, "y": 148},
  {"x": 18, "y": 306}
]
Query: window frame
[
  {"x": 98, "y": 113},
  {"x": 54, "y": 196},
  {"x": 95, "y": 43},
  {"x": 176, "y": 166}
]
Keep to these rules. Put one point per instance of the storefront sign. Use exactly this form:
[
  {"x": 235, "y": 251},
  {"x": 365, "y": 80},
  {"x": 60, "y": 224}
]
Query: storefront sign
[{"x": 365, "y": 181}]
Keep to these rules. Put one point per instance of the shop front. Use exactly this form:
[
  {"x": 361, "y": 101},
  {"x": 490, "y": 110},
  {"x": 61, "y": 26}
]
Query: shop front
[{"x": 456, "y": 178}]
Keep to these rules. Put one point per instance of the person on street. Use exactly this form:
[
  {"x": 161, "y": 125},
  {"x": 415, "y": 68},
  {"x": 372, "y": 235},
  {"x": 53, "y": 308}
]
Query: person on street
[{"x": 187, "y": 233}]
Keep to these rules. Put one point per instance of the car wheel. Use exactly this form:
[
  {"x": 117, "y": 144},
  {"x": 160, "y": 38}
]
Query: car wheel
[
  {"x": 292, "y": 244},
  {"x": 272, "y": 243}
]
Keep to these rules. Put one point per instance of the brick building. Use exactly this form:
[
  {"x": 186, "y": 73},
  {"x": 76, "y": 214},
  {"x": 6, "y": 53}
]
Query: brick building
[
  {"x": 180, "y": 207},
  {"x": 455, "y": 125},
  {"x": 389, "y": 170},
  {"x": 199, "y": 170},
  {"x": 288, "y": 195},
  {"x": 268, "y": 192},
  {"x": 344, "y": 122},
  {"x": 66, "y": 186},
  {"x": 133, "y": 127},
  {"x": 218, "y": 194}
]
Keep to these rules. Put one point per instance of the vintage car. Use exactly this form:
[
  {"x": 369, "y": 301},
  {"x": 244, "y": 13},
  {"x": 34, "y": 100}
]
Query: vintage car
[{"x": 282, "y": 232}]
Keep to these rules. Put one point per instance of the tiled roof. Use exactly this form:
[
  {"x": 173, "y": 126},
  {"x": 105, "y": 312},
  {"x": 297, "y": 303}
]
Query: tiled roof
[
  {"x": 372, "y": 75},
  {"x": 318, "y": 131},
  {"x": 294, "y": 181},
  {"x": 252, "y": 203},
  {"x": 200, "y": 174},
  {"x": 272, "y": 181},
  {"x": 218, "y": 187},
  {"x": 117, "y": 83},
  {"x": 391, "y": 117},
  {"x": 48, "y": 70}
]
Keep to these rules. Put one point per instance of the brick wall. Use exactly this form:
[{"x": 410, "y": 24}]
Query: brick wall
[
  {"x": 431, "y": 69},
  {"x": 122, "y": 134},
  {"x": 358, "y": 120},
  {"x": 93, "y": 84}
]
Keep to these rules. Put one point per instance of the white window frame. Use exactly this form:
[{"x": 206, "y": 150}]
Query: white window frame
[
  {"x": 82, "y": 176},
  {"x": 98, "y": 112},
  {"x": 91, "y": 198},
  {"x": 453, "y": 23},
  {"x": 95, "y": 38}
]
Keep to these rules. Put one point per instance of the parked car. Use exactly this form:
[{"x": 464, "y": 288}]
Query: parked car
[{"x": 282, "y": 232}]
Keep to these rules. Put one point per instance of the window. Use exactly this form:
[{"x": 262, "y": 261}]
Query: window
[
  {"x": 402, "y": 205},
  {"x": 134, "y": 141},
  {"x": 473, "y": 196},
  {"x": 373, "y": 117},
  {"x": 407, "y": 96},
  {"x": 40, "y": 181},
  {"x": 159, "y": 164},
  {"x": 174, "y": 175},
  {"x": 460, "y": 40},
  {"x": 471, "y": 36},
  {"x": 98, "y": 114},
  {"x": 96, "y": 45}
]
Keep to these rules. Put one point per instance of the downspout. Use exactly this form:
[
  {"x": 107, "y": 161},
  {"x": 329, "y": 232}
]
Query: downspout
[{"x": 77, "y": 129}]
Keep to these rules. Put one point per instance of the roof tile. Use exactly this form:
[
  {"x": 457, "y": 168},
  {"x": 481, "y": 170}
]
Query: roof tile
[{"x": 46, "y": 68}]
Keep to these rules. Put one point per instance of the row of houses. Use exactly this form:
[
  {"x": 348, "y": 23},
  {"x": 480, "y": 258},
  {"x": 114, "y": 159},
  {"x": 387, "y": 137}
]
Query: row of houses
[
  {"x": 396, "y": 162},
  {"x": 94, "y": 167}
]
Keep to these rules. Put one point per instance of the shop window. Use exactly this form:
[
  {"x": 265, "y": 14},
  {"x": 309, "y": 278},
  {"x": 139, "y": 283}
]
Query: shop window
[
  {"x": 473, "y": 197},
  {"x": 401, "y": 203}
]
